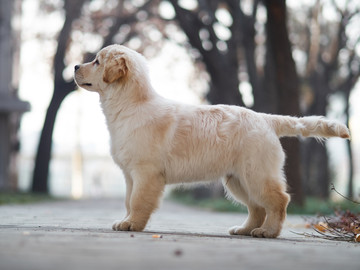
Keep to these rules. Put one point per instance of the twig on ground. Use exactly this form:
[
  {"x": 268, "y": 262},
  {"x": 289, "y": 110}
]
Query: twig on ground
[
  {"x": 342, "y": 226},
  {"x": 334, "y": 189}
]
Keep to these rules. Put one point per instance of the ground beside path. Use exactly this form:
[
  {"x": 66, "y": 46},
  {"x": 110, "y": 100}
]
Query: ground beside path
[{"x": 77, "y": 235}]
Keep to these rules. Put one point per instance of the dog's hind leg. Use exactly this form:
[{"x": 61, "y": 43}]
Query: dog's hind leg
[
  {"x": 256, "y": 213},
  {"x": 146, "y": 192},
  {"x": 275, "y": 200}
]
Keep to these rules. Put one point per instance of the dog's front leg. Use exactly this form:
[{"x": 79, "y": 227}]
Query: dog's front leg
[
  {"x": 129, "y": 187},
  {"x": 144, "y": 199}
]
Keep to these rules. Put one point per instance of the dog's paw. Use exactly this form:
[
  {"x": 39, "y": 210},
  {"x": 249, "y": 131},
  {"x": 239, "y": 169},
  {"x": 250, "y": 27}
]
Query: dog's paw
[
  {"x": 239, "y": 230},
  {"x": 264, "y": 233},
  {"x": 127, "y": 225}
]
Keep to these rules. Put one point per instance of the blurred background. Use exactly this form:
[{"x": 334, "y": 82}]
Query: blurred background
[{"x": 295, "y": 57}]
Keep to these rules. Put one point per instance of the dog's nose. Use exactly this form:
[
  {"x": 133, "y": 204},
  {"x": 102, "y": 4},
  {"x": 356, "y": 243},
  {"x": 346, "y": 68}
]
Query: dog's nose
[{"x": 77, "y": 67}]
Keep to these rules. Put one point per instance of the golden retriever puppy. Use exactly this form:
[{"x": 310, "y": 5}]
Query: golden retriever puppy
[{"x": 156, "y": 142}]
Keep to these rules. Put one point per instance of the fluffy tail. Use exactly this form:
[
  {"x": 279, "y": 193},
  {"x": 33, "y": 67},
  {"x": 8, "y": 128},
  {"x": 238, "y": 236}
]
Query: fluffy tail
[{"x": 311, "y": 126}]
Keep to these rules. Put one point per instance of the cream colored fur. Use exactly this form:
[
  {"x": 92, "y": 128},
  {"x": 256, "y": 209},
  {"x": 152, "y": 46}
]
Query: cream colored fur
[{"x": 156, "y": 142}]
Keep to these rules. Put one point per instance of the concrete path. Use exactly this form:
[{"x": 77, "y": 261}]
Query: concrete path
[{"x": 77, "y": 235}]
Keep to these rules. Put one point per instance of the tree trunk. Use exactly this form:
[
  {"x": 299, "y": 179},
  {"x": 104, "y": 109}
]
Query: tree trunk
[
  {"x": 350, "y": 187},
  {"x": 282, "y": 77},
  {"x": 221, "y": 66},
  {"x": 316, "y": 168},
  {"x": 43, "y": 156},
  {"x": 61, "y": 90},
  {"x": 315, "y": 171},
  {"x": 224, "y": 87}
]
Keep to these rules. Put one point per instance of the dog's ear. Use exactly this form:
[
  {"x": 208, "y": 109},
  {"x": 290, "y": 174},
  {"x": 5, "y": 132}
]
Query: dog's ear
[{"x": 115, "y": 68}]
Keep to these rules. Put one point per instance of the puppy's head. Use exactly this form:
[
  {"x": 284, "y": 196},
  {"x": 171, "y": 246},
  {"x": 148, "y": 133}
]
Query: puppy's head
[{"x": 112, "y": 65}]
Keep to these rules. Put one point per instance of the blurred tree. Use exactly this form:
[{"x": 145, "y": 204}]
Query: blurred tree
[
  {"x": 62, "y": 88},
  {"x": 219, "y": 57},
  {"x": 282, "y": 80},
  {"x": 332, "y": 67}
]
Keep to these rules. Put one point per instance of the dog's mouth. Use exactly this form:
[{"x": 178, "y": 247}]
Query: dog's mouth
[{"x": 86, "y": 84}]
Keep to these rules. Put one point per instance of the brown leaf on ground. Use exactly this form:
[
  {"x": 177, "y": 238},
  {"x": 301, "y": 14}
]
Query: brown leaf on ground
[{"x": 342, "y": 226}]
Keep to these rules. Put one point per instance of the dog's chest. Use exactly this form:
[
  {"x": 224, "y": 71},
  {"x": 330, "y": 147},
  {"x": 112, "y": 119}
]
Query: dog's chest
[
  {"x": 130, "y": 146},
  {"x": 121, "y": 148}
]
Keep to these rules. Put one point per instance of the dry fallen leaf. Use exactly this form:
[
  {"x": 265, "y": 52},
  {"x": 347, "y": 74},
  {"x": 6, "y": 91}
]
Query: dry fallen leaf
[
  {"x": 341, "y": 226},
  {"x": 357, "y": 238},
  {"x": 321, "y": 226},
  {"x": 355, "y": 228}
]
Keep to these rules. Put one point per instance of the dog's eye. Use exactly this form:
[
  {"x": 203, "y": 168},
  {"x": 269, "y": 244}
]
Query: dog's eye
[{"x": 97, "y": 62}]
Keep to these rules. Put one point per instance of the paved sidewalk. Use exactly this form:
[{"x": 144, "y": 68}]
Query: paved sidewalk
[{"x": 77, "y": 235}]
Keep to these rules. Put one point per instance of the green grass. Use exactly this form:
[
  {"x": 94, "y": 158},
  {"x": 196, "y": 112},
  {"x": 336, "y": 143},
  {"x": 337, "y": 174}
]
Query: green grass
[
  {"x": 312, "y": 206},
  {"x": 22, "y": 198}
]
